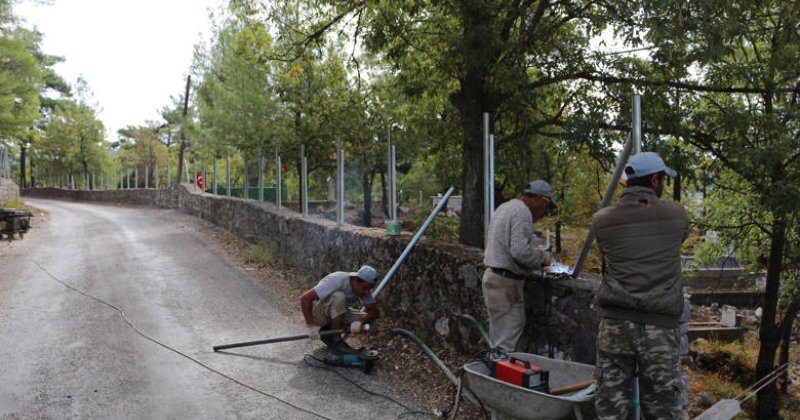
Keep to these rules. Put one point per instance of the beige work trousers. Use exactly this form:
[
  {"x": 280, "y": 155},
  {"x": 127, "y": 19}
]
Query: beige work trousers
[
  {"x": 505, "y": 305},
  {"x": 331, "y": 307}
]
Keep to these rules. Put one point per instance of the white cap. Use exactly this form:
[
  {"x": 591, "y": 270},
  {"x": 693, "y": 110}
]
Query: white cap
[
  {"x": 646, "y": 163},
  {"x": 366, "y": 273}
]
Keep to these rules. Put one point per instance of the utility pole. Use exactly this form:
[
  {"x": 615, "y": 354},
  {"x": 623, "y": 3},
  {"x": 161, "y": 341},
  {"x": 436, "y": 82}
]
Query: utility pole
[{"x": 183, "y": 128}]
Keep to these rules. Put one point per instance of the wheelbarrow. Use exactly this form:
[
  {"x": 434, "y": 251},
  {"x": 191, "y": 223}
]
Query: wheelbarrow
[{"x": 571, "y": 386}]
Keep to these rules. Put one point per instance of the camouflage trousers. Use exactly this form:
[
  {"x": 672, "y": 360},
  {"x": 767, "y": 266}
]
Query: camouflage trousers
[{"x": 623, "y": 347}]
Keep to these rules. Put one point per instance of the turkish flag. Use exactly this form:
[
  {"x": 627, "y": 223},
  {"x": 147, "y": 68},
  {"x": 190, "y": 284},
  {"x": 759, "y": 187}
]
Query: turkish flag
[
  {"x": 199, "y": 181},
  {"x": 284, "y": 168}
]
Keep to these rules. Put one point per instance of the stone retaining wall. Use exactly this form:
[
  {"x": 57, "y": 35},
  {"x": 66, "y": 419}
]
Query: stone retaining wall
[
  {"x": 437, "y": 281},
  {"x": 8, "y": 190}
]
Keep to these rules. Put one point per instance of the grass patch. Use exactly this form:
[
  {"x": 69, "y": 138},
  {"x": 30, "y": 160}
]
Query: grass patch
[{"x": 260, "y": 254}]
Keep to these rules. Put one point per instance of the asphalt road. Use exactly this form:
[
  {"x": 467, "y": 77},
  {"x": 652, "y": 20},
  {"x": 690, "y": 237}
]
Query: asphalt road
[{"x": 66, "y": 355}]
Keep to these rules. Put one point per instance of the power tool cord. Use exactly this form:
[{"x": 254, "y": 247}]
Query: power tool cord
[
  {"x": 321, "y": 365},
  {"x": 147, "y": 337}
]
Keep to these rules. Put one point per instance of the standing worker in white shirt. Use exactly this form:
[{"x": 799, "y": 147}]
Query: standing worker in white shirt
[{"x": 510, "y": 257}]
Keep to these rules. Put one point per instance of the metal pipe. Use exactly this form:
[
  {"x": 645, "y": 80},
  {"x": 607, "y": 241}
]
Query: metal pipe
[
  {"x": 278, "y": 168},
  {"x": 195, "y": 174},
  {"x": 304, "y": 180},
  {"x": 215, "y": 175},
  {"x": 277, "y": 340},
  {"x": 228, "y": 174},
  {"x": 158, "y": 181},
  {"x": 389, "y": 171},
  {"x": 394, "y": 184},
  {"x": 410, "y": 246},
  {"x": 637, "y": 123},
  {"x": 340, "y": 189},
  {"x": 486, "y": 210},
  {"x": 587, "y": 245},
  {"x": 147, "y": 176},
  {"x": 246, "y": 173},
  {"x": 491, "y": 178},
  {"x": 136, "y": 176},
  {"x": 260, "y": 175}
]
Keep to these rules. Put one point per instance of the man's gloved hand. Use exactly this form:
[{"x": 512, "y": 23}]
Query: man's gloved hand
[
  {"x": 313, "y": 331},
  {"x": 355, "y": 327}
]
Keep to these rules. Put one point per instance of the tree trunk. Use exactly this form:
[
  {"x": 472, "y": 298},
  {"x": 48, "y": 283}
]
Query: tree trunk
[
  {"x": 366, "y": 179},
  {"x": 768, "y": 403},
  {"x": 786, "y": 339},
  {"x": 676, "y": 188},
  {"x": 22, "y": 170}
]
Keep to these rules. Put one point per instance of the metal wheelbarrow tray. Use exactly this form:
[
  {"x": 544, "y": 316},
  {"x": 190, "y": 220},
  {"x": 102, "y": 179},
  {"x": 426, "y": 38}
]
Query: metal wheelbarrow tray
[{"x": 507, "y": 401}]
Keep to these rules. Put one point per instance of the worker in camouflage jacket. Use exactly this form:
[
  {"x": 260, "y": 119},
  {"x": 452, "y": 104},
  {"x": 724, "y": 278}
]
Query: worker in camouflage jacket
[{"x": 641, "y": 295}]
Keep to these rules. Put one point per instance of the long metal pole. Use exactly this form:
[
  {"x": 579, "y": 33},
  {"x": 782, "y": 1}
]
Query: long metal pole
[
  {"x": 147, "y": 176},
  {"x": 394, "y": 184},
  {"x": 410, "y": 246},
  {"x": 194, "y": 180},
  {"x": 158, "y": 181},
  {"x": 169, "y": 173},
  {"x": 326, "y": 333},
  {"x": 621, "y": 161},
  {"x": 215, "y": 175},
  {"x": 260, "y": 175},
  {"x": 340, "y": 188},
  {"x": 637, "y": 123},
  {"x": 246, "y": 181},
  {"x": 491, "y": 178},
  {"x": 486, "y": 187},
  {"x": 304, "y": 180},
  {"x": 390, "y": 173},
  {"x": 228, "y": 174},
  {"x": 278, "y": 168}
]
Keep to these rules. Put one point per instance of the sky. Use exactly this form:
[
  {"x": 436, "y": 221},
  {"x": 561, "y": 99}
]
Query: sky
[{"x": 134, "y": 54}]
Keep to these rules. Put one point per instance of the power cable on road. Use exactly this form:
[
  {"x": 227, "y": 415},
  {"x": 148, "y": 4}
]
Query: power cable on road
[{"x": 133, "y": 326}]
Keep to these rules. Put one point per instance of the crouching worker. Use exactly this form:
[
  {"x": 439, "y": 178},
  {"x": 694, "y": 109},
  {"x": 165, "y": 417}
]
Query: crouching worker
[{"x": 327, "y": 306}]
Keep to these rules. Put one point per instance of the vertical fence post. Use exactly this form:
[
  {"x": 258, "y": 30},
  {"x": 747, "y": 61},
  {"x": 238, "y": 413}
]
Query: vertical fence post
[
  {"x": 637, "y": 123},
  {"x": 486, "y": 186},
  {"x": 215, "y": 175},
  {"x": 260, "y": 174},
  {"x": 228, "y": 174},
  {"x": 246, "y": 173},
  {"x": 304, "y": 180},
  {"x": 278, "y": 169},
  {"x": 491, "y": 177},
  {"x": 340, "y": 185},
  {"x": 390, "y": 173}
]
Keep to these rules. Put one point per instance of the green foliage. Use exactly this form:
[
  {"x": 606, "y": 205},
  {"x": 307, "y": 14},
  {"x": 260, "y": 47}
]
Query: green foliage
[{"x": 21, "y": 80}]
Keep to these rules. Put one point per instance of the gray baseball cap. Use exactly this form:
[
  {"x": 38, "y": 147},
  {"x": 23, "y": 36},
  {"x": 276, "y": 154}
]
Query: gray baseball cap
[
  {"x": 646, "y": 163},
  {"x": 542, "y": 188},
  {"x": 366, "y": 273}
]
